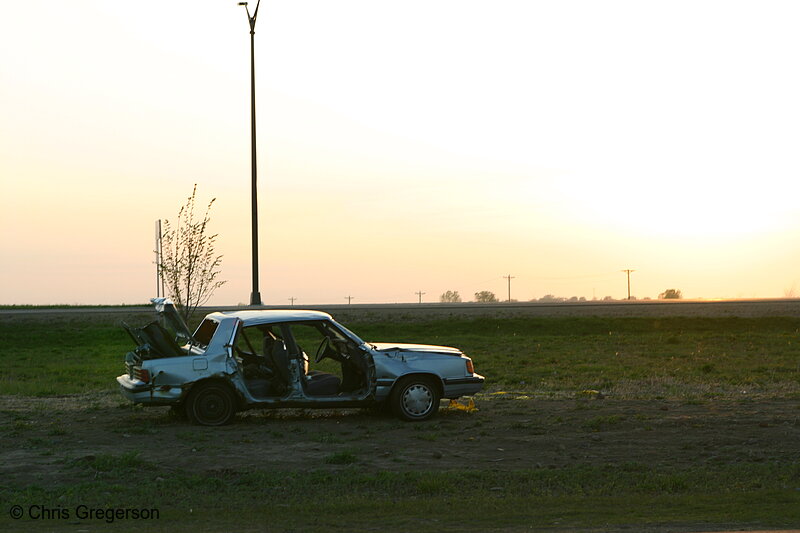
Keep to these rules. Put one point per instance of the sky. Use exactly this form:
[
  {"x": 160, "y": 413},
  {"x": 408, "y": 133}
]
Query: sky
[{"x": 404, "y": 147}]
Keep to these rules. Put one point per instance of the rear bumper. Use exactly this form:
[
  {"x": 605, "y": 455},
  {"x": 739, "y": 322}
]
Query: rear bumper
[
  {"x": 141, "y": 392},
  {"x": 467, "y": 386}
]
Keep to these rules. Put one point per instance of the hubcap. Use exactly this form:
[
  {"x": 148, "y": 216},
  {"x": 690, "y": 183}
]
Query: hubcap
[
  {"x": 417, "y": 400},
  {"x": 212, "y": 407}
]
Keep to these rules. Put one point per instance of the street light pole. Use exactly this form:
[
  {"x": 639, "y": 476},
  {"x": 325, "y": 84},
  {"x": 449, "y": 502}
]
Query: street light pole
[{"x": 255, "y": 296}]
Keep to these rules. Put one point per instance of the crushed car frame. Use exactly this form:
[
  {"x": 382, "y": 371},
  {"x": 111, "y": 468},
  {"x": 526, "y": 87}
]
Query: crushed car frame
[{"x": 256, "y": 359}]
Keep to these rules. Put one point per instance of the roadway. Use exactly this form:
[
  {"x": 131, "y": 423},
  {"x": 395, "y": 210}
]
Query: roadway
[{"x": 740, "y": 308}]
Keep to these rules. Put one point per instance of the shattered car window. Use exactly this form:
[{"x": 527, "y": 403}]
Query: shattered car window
[{"x": 205, "y": 331}]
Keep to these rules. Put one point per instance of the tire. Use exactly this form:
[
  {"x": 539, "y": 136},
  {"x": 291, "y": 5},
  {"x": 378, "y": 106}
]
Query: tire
[
  {"x": 211, "y": 404},
  {"x": 415, "y": 398}
]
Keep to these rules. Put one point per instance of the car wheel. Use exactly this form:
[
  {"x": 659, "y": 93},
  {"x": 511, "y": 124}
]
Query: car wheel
[
  {"x": 415, "y": 398},
  {"x": 211, "y": 404}
]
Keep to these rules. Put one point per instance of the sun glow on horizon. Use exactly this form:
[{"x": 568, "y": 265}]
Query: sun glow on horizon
[{"x": 558, "y": 142}]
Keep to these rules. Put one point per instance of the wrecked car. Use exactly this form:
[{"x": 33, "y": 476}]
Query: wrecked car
[{"x": 284, "y": 358}]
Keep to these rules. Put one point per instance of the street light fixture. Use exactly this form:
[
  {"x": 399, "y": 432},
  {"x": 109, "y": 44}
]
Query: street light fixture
[{"x": 255, "y": 296}]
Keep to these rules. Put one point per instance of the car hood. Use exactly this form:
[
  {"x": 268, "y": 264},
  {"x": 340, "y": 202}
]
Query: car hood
[{"x": 425, "y": 348}]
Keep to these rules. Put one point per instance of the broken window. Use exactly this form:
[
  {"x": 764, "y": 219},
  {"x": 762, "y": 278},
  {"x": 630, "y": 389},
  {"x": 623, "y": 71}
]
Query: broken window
[{"x": 204, "y": 332}]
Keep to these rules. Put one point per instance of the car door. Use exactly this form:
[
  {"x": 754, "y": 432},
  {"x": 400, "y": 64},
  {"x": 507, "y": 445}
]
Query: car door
[{"x": 322, "y": 348}]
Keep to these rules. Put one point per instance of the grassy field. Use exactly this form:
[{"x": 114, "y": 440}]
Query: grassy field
[
  {"x": 354, "y": 500},
  {"x": 541, "y": 377},
  {"x": 626, "y": 357}
]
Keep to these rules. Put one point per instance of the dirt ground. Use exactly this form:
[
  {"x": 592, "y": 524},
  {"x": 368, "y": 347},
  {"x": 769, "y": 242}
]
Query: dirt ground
[{"x": 508, "y": 432}]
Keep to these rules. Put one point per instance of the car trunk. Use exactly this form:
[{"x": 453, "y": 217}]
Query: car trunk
[{"x": 156, "y": 340}]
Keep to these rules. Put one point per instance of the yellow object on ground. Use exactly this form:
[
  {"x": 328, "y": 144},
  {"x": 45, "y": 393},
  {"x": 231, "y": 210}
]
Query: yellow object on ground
[{"x": 458, "y": 406}]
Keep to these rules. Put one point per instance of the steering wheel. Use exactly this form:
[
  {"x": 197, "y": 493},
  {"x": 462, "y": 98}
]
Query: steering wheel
[
  {"x": 340, "y": 346},
  {"x": 323, "y": 347}
]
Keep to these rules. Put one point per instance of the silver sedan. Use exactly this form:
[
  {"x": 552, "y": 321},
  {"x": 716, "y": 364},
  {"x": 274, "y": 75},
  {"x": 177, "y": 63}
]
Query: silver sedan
[{"x": 285, "y": 358}]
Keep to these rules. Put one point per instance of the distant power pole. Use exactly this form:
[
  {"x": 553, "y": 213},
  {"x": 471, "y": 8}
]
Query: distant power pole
[
  {"x": 292, "y": 299},
  {"x": 349, "y": 298},
  {"x": 509, "y": 278},
  {"x": 628, "y": 271},
  {"x": 419, "y": 293}
]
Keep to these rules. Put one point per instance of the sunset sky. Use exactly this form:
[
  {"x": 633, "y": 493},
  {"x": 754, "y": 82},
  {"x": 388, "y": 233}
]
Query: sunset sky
[{"x": 404, "y": 146}]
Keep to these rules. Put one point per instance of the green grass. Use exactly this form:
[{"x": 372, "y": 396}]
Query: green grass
[
  {"x": 630, "y": 357},
  {"x": 14, "y": 307},
  {"x": 341, "y": 458},
  {"x": 669, "y": 357},
  {"x": 358, "y": 499},
  {"x": 40, "y": 357}
]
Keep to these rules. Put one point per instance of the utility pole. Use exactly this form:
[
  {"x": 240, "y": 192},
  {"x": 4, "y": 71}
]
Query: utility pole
[
  {"x": 255, "y": 296},
  {"x": 628, "y": 271},
  {"x": 292, "y": 299},
  {"x": 509, "y": 278},
  {"x": 159, "y": 259},
  {"x": 419, "y": 293},
  {"x": 348, "y": 298}
]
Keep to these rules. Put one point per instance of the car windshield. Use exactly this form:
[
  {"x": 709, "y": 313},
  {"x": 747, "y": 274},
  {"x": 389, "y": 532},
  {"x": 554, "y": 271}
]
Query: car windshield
[{"x": 349, "y": 333}]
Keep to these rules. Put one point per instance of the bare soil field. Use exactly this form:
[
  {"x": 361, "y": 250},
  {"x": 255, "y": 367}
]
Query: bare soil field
[{"x": 508, "y": 432}]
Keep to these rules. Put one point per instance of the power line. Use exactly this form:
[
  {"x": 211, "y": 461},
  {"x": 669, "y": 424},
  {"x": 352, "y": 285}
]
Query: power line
[
  {"x": 292, "y": 299},
  {"x": 419, "y": 293},
  {"x": 349, "y": 298}
]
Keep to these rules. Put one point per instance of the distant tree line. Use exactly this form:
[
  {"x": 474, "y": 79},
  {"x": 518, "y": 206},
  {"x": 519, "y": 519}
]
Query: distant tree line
[
  {"x": 481, "y": 297},
  {"x": 485, "y": 297},
  {"x": 670, "y": 294},
  {"x": 490, "y": 297},
  {"x": 450, "y": 297}
]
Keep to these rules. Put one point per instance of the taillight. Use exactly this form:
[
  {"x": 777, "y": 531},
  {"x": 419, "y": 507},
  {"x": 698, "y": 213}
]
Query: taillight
[
  {"x": 470, "y": 368},
  {"x": 142, "y": 374}
]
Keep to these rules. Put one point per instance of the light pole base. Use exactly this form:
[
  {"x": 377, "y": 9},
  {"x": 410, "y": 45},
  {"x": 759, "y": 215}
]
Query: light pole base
[{"x": 255, "y": 298}]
